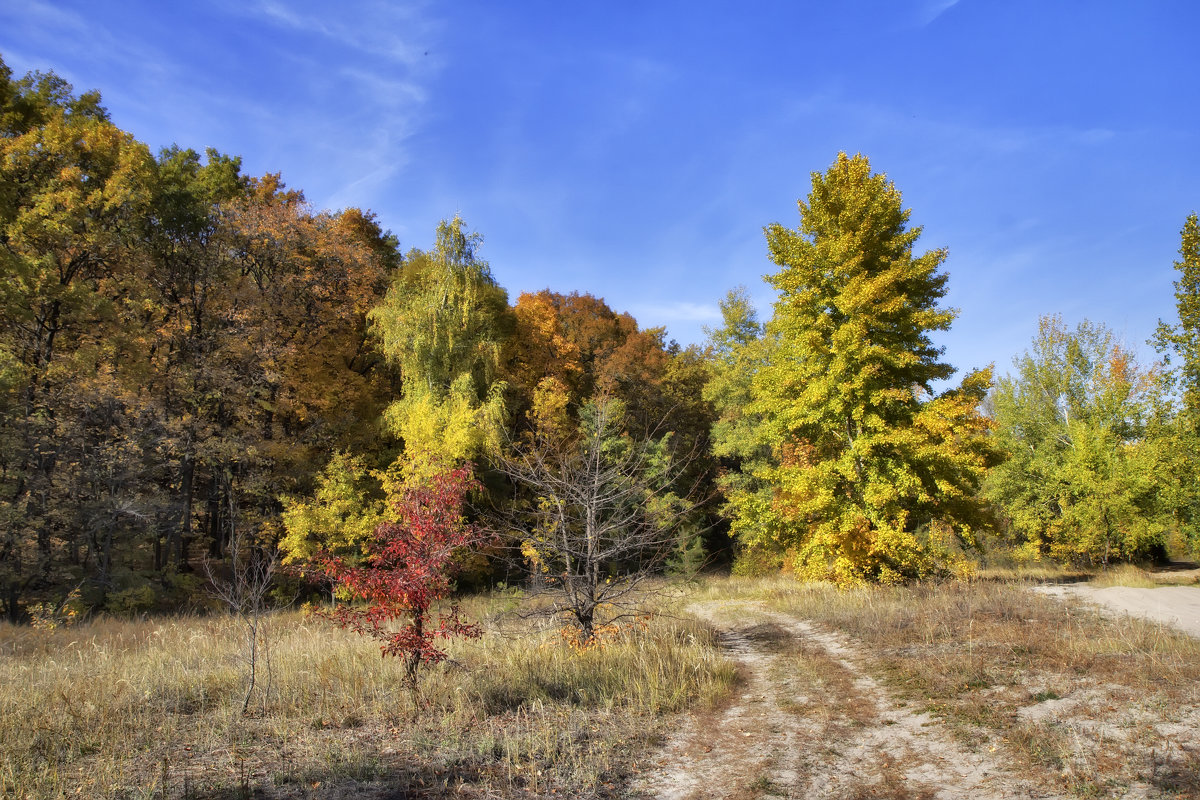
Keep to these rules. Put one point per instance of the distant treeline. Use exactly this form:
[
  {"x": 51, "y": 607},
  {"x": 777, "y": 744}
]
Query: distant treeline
[{"x": 190, "y": 355}]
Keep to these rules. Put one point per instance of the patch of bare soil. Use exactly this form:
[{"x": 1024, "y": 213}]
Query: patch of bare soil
[
  {"x": 809, "y": 722},
  {"x": 1177, "y": 606}
]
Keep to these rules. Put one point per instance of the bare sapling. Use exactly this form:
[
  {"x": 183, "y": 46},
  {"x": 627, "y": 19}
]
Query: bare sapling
[
  {"x": 607, "y": 512},
  {"x": 252, "y": 568}
]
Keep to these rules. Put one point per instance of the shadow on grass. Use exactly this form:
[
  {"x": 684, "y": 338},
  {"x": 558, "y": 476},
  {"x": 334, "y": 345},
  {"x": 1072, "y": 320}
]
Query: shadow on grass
[{"x": 373, "y": 779}]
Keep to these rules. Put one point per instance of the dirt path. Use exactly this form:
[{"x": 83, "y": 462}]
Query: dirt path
[
  {"x": 809, "y": 722},
  {"x": 1177, "y": 606}
]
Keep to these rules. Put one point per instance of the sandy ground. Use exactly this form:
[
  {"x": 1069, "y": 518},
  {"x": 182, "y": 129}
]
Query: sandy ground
[
  {"x": 1178, "y": 606},
  {"x": 842, "y": 736},
  {"x": 809, "y": 720}
]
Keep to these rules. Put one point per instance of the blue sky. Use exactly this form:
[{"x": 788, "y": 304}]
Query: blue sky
[{"x": 635, "y": 150}]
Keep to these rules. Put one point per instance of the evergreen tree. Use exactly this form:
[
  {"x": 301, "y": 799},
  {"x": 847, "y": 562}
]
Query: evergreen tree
[{"x": 735, "y": 352}]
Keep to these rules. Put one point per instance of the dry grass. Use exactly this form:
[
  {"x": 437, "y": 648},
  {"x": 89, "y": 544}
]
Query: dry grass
[
  {"x": 1179, "y": 574},
  {"x": 151, "y": 709},
  {"x": 1137, "y": 577},
  {"x": 1097, "y": 704},
  {"x": 1032, "y": 572}
]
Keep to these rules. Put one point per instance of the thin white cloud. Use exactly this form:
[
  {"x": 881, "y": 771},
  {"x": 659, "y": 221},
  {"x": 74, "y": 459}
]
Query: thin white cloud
[
  {"x": 358, "y": 83},
  {"x": 45, "y": 14},
  {"x": 932, "y": 9},
  {"x": 396, "y": 31},
  {"x": 384, "y": 90},
  {"x": 49, "y": 28},
  {"x": 371, "y": 101}
]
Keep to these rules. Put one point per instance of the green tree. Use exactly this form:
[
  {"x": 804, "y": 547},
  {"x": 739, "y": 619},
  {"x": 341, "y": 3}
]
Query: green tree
[
  {"x": 443, "y": 323},
  {"x": 866, "y": 480},
  {"x": 1082, "y": 483},
  {"x": 1181, "y": 342},
  {"x": 735, "y": 352}
]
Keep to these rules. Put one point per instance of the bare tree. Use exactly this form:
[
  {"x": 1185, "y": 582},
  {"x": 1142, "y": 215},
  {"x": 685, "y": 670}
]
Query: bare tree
[
  {"x": 606, "y": 510},
  {"x": 244, "y": 593}
]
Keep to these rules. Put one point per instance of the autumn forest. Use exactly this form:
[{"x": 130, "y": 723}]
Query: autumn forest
[{"x": 206, "y": 382}]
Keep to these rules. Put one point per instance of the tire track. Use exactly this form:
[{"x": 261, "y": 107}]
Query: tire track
[{"x": 808, "y": 721}]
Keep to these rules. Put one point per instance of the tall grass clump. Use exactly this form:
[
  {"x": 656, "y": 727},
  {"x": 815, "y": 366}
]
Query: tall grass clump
[
  {"x": 1137, "y": 577},
  {"x": 652, "y": 666}
]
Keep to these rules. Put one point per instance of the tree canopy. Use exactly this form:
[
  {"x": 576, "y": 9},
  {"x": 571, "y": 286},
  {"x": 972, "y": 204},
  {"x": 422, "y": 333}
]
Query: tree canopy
[
  {"x": 443, "y": 324},
  {"x": 871, "y": 476},
  {"x": 1078, "y": 483},
  {"x": 192, "y": 357}
]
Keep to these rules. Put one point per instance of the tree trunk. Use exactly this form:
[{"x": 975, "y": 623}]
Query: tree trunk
[
  {"x": 412, "y": 662},
  {"x": 586, "y": 618},
  {"x": 214, "y": 516},
  {"x": 182, "y": 532},
  {"x": 10, "y": 602}
]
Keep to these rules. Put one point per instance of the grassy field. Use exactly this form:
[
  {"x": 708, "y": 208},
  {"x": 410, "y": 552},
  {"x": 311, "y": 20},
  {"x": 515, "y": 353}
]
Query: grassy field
[
  {"x": 148, "y": 709},
  {"x": 151, "y": 709}
]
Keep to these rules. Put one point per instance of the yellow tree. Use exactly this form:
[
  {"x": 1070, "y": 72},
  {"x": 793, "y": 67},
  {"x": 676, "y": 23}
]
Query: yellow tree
[
  {"x": 72, "y": 186},
  {"x": 443, "y": 324},
  {"x": 872, "y": 475},
  {"x": 572, "y": 350},
  {"x": 339, "y": 519}
]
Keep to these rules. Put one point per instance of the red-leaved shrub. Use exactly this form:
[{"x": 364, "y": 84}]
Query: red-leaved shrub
[{"x": 408, "y": 567}]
